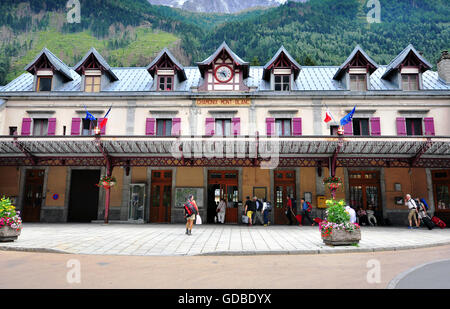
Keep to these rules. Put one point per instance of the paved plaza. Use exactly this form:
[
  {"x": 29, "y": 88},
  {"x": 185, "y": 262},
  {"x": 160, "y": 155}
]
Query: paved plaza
[{"x": 170, "y": 240}]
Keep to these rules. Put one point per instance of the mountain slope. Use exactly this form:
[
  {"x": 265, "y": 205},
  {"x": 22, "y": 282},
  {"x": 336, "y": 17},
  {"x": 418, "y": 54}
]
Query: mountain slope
[{"x": 219, "y": 6}]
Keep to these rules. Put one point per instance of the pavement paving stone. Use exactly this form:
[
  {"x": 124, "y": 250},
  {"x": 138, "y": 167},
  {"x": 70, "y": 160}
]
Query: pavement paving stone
[{"x": 155, "y": 239}]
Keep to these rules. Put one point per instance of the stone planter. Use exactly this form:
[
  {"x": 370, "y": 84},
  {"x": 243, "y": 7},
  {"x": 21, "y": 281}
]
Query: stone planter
[
  {"x": 342, "y": 237},
  {"x": 8, "y": 234}
]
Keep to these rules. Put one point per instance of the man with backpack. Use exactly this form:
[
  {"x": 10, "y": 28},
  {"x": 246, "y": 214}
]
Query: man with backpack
[
  {"x": 412, "y": 210},
  {"x": 267, "y": 207},
  {"x": 259, "y": 211},
  {"x": 190, "y": 210},
  {"x": 306, "y": 209}
]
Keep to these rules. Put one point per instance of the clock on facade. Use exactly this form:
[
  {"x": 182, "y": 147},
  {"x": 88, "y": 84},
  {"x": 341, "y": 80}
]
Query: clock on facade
[{"x": 223, "y": 73}]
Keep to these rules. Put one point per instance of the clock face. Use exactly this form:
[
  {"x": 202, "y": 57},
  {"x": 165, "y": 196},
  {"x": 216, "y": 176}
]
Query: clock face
[{"x": 224, "y": 73}]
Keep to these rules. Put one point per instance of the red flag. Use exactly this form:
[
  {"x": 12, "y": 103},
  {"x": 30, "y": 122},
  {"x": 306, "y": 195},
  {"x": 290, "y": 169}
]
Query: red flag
[
  {"x": 103, "y": 123},
  {"x": 327, "y": 117}
]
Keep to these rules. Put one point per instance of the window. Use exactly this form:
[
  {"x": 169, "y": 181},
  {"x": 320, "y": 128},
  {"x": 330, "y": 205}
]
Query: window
[
  {"x": 165, "y": 83},
  {"x": 360, "y": 126},
  {"x": 410, "y": 82},
  {"x": 334, "y": 130},
  {"x": 163, "y": 127},
  {"x": 358, "y": 82},
  {"x": 283, "y": 127},
  {"x": 282, "y": 82},
  {"x": 44, "y": 83},
  {"x": 413, "y": 126},
  {"x": 223, "y": 127},
  {"x": 88, "y": 127},
  {"x": 12, "y": 131},
  {"x": 40, "y": 127},
  {"x": 92, "y": 83}
]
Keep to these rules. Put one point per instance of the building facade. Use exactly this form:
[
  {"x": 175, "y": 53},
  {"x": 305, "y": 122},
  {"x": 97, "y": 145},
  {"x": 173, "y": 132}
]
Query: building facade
[{"x": 224, "y": 129}]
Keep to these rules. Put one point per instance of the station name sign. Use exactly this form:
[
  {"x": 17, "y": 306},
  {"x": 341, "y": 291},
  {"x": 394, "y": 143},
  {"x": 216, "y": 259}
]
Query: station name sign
[{"x": 223, "y": 102}]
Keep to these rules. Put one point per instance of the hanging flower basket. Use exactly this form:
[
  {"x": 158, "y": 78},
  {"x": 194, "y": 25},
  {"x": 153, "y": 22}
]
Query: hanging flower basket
[
  {"x": 107, "y": 182},
  {"x": 10, "y": 221},
  {"x": 333, "y": 183}
]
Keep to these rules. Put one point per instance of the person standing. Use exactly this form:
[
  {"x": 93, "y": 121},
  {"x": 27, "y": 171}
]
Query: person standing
[
  {"x": 288, "y": 210},
  {"x": 259, "y": 211},
  {"x": 266, "y": 210},
  {"x": 305, "y": 211},
  {"x": 249, "y": 209},
  {"x": 412, "y": 210},
  {"x": 190, "y": 218},
  {"x": 221, "y": 208}
]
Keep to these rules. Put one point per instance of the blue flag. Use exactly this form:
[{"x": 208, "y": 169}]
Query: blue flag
[
  {"x": 89, "y": 116},
  {"x": 348, "y": 117}
]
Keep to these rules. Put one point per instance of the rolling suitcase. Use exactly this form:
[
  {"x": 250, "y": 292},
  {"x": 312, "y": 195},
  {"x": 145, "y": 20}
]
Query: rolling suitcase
[
  {"x": 427, "y": 221},
  {"x": 438, "y": 222},
  {"x": 299, "y": 219}
]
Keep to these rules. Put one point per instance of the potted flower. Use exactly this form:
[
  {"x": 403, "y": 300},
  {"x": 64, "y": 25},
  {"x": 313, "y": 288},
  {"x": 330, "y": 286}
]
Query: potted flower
[
  {"x": 10, "y": 222},
  {"x": 107, "y": 182},
  {"x": 337, "y": 229}
]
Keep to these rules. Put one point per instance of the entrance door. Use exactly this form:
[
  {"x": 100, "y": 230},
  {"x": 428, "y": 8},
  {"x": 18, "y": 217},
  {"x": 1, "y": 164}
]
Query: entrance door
[
  {"x": 34, "y": 188},
  {"x": 365, "y": 190},
  {"x": 284, "y": 188},
  {"x": 83, "y": 201},
  {"x": 223, "y": 185},
  {"x": 441, "y": 188},
  {"x": 161, "y": 197}
]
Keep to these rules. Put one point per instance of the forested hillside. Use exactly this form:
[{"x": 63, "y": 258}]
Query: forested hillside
[{"x": 131, "y": 32}]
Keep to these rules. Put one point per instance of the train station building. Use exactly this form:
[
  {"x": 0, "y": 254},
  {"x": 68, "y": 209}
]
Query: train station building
[{"x": 224, "y": 129}]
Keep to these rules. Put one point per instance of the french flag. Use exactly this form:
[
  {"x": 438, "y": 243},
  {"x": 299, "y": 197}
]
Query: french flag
[
  {"x": 328, "y": 116},
  {"x": 105, "y": 119}
]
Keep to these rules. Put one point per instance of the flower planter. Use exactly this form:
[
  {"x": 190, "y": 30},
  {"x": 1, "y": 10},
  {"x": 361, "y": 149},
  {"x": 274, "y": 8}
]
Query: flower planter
[
  {"x": 342, "y": 237},
  {"x": 7, "y": 233}
]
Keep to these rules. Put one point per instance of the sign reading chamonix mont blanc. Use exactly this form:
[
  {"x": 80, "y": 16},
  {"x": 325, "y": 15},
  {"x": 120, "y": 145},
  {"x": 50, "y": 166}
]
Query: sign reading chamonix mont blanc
[{"x": 223, "y": 102}]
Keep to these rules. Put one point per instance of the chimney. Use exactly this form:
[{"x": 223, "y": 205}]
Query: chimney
[{"x": 444, "y": 67}]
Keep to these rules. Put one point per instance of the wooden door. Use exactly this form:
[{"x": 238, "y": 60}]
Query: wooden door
[
  {"x": 365, "y": 190},
  {"x": 225, "y": 186},
  {"x": 161, "y": 197},
  {"x": 284, "y": 188},
  {"x": 441, "y": 190},
  {"x": 34, "y": 189}
]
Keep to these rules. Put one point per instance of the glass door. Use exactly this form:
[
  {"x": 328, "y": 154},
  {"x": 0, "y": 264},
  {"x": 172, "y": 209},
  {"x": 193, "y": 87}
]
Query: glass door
[{"x": 137, "y": 202}]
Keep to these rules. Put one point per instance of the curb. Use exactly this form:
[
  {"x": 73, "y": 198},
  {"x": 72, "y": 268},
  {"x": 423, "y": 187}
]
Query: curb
[
  {"x": 394, "y": 282},
  {"x": 322, "y": 250}
]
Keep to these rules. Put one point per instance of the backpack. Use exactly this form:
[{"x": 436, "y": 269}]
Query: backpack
[
  {"x": 189, "y": 209},
  {"x": 309, "y": 207},
  {"x": 424, "y": 203},
  {"x": 269, "y": 206}
]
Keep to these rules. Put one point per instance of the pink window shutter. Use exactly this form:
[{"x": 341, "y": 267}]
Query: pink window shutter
[
  {"x": 176, "y": 126},
  {"x": 51, "y": 126},
  {"x": 210, "y": 126},
  {"x": 429, "y": 126},
  {"x": 26, "y": 126},
  {"x": 236, "y": 126},
  {"x": 348, "y": 128},
  {"x": 76, "y": 124},
  {"x": 401, "y": 126},
  {"x": 297, "y": 126},
  {"x": 375, "y": 129},
  {"x": 150, "y": 126},
  {"x": 270, "y": 126}
]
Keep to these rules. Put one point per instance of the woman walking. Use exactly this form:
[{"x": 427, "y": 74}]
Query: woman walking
[{"x": 191, "y": 210}]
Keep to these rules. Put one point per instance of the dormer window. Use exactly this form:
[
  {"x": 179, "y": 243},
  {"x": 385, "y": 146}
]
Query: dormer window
[
  {"x": 165, "y": 82},
  {"x": 282, "y": 82},
  {"x": 358, "y": 82},
  {"x": 44, "y": 83},
  {"x": 92, "y": 81}
]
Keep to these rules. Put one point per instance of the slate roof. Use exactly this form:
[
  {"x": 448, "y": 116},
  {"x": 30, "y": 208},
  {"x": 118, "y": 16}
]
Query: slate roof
[
  {"x": 100, "y": 59},
  {"x": 310, "y": 78},
  {"x": 55, "y": 61}
]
